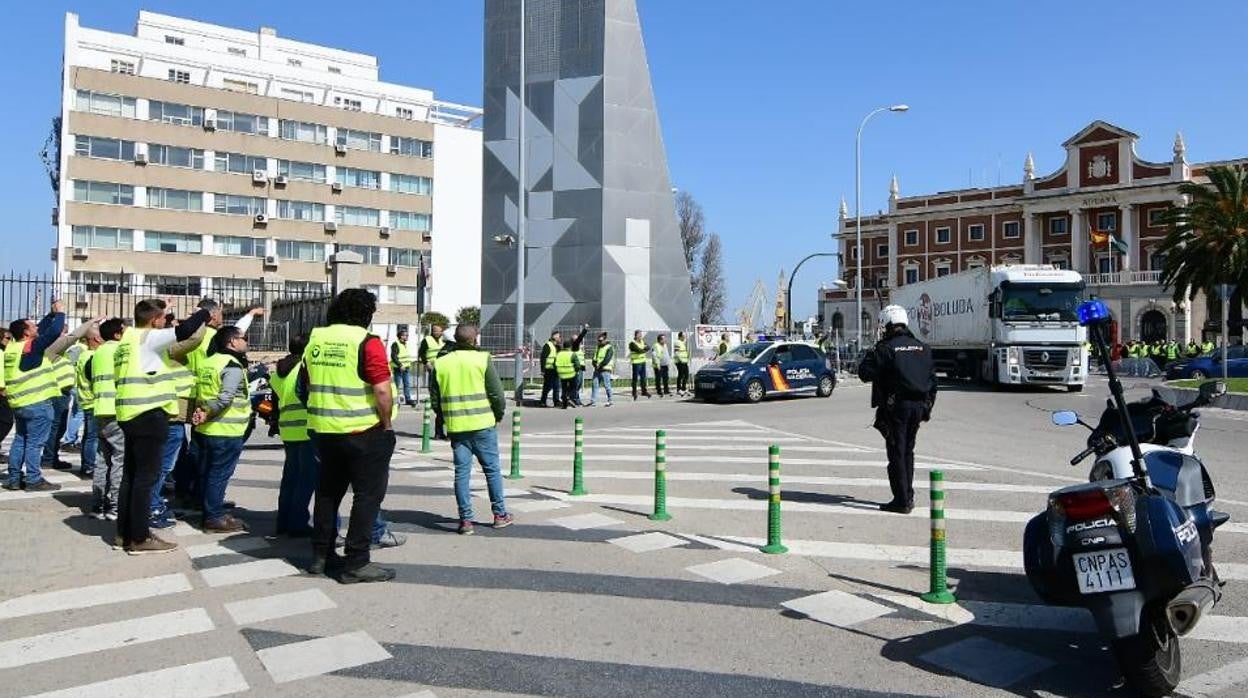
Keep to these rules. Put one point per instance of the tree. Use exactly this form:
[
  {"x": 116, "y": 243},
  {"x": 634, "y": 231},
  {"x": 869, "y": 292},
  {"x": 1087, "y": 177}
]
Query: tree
[
  {"x": 692, "y": 231},
  {"x": 468, "y": 315},
  {"x": 433, "y": 317},
  {"x": 1208, "y": 240},
  {"x": 711, "y": 291}
]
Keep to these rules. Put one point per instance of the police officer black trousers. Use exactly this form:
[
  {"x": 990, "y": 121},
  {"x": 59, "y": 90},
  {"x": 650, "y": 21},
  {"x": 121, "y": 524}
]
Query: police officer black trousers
[{"x": 902, "y": 422}]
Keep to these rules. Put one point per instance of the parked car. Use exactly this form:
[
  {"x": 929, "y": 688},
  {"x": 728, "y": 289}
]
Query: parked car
[
  {"x": 1210, "y": 365},
  {"x": 757, "y": 370}
]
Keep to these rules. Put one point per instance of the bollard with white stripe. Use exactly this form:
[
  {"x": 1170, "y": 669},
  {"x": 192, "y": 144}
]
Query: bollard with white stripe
[
  {"x": 578, "y": 459},
  {"x": 515, "y": 447},
  {"x": 660, "y": 477},
  {"x": 939, "y": 588},
  {"x": 426, "y": 432},
  {"x": 774, "y": 545}
]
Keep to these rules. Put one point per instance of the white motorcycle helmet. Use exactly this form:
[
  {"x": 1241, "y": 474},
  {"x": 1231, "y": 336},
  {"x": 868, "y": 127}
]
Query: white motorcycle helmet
[{"x": 893, "y": 315}]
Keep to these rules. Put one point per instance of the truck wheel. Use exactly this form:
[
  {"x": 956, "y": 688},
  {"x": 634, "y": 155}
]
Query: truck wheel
[
  {"x": 1074, "y": 388},
  {"x": 754, "y": 391},
  {"x": 1150, "y": 661},
  {"x": 826, "y": 385}
]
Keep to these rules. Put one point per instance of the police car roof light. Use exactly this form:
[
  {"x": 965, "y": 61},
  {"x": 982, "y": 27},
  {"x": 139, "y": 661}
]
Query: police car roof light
[{"x": 1093, "y": 312}]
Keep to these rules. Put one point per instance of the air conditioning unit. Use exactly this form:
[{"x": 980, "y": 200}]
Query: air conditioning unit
[
  {"x": 385, "y": 231},
  {"x": 281, "y": 180},
  {"x": 56, "y": 216},
  {"x": 80, "y": 253},
  {"x": 331, "y": 226},
  {"x": 140, "y": 157},
  {"x": 270, "y": 262},
  {"x": 261, "y": 219},
  {"x": 55, "y": 256},
  {"x": 426, "y": 236},
  {"x": 259, "y": 176},
  {"x": 336, "y": 187},
  {"x": 392, "y": 269},
  {"x": 210, "y": 124},
  {"x": 340, "y": 149}
]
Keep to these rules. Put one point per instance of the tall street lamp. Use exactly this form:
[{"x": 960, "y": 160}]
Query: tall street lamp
[
  {"x": 788, "y": 293},
  {"x": 521, "y": 213},
  {"x": 858, "y": 213}
]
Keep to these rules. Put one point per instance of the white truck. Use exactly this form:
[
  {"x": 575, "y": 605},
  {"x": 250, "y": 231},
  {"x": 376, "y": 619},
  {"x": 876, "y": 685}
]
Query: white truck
[{"x": 1005, "y": 325}]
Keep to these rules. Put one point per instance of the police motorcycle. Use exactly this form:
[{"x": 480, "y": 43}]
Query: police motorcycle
[
  {"x": 262, "y": 397},
  {"x": 1134, "y": 544}
]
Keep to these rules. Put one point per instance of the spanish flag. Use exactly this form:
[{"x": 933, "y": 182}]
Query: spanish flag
[{"x": 1108, "y": 239}]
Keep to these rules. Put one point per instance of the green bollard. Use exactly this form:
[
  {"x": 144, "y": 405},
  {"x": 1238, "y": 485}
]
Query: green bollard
[
  {"x": 939, "y": 591},
  {"x": 515, "y": 447},
  {"x": 660, "y": 477},
  {"x": 578, "y": 460},
  {"x": 426, "y": 432},
  {"x": 774, "y": 546}
]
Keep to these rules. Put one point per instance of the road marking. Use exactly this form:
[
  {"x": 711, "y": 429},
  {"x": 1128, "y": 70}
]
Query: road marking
[
  {"x": 244, "y": 572},
  {"x": 95, "y": 595},
  {"x": 837, "y": 608},
  {"x": 278, "y": 606},
  {"x": 593, "y": 436},
  {"x": 590, "y": 457},
  {"x": 1216, "y": 681},
  {"x": 761, "y": 431},
  {"x": 582, "y": 522},
  {"x": 732, "y": 571},
  {"x": 648, "y": 542},
  {"x": 300, "y": 660},
  {"x": 794, "y": 480},
  {"x": 986, "y": 662},
  {"x": 228, "y": 546},
  {"x": 215, "y": 677},
  {"x": 915, "y": 555},
  {"x": 529, "y": 506},
  {"x": 106, "y": 636},
  {"x": 182, "y": 529},
  {"x": 701, "y": 448}
]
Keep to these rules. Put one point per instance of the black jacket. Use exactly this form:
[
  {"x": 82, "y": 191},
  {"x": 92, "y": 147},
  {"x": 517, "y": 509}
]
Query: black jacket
[{"x": 899, "y": 367}]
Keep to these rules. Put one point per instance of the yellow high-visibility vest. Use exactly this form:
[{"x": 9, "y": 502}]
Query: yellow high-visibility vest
[
  {"x": 550, "y": 355},
  {"x": 233, "y": 420},
  {"x": 637, "y": 352},
  {"x": 339, "y": 401},
  {"x": 564, "y": 364},
  {"x": 405, "y": 357},
  {"x": 86, "y": 398},
  {"x": 680, "y": 351},
  {"x": 137, "y": 391},
  {"x": 292, "y": 414},
  {"x": 63, "y": 369},
  {"x": 461, "y": 384},
  {"x": 103, "y": 386},
  {"x": 25, "y": 388},
  {"x": 432, "y": 347}
]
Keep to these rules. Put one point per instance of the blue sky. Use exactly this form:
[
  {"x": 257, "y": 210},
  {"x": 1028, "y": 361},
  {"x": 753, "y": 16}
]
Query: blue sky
[{"x": 759, "y": 100}]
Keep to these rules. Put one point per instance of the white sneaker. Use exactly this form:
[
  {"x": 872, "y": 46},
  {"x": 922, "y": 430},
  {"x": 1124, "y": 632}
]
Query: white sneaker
[{"x": 607, "y": 405}]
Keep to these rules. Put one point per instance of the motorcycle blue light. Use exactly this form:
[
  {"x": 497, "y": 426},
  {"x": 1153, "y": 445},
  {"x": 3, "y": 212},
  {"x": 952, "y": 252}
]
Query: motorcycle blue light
[{"x": 1093, "y": 312}]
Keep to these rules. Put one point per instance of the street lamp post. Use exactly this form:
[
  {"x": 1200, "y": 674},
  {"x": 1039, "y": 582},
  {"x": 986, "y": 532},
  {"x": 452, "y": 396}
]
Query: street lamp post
[
  {"x": 521, "y": 212},
  {"x": 788, "y": 293},
  {"x": 858, "y": 213}
]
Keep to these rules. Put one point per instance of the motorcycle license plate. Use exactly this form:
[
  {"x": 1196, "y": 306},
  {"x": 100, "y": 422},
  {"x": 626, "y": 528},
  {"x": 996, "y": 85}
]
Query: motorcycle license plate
[{"x": 1104, "y": 570}]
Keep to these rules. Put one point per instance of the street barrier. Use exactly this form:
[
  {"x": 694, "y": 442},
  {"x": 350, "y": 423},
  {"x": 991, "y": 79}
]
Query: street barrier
[
  {"x": 426, "y": 431},
  {"x": 578, "y": 459},
  {"x": 515, "y": 447},
  {"x": 774, "y": 546},
  {"x": 660, "y": 477},
  {"x": 939, "y": 587}
]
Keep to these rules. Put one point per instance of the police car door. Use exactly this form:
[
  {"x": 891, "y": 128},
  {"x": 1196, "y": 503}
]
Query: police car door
[
  {"x": 778, "y": 367},
  {"x": 804, "y": 370}
]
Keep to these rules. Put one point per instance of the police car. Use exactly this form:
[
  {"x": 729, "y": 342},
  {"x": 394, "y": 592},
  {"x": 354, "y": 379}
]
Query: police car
[{"x": 756, "y": 370}]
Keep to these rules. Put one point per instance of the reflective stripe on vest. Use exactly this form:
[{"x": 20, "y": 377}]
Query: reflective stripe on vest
[
  {"x": 86, "y": 398},
  {"x": 432, "y": 347},
  {"x": 139, "y": 392},
  {"x": 339, "y": 401},
  {"x": 233, "y": 420},
  {"x": 103, "y": 387},
  {"x": 680, "y": 351},
  {"x": 24, "y": 388},
  {"x": 292, "y": 415},
  {"x": 636, "y": 352},
  {"x": 461, "y": 382},
  {"x": 564, "y": 364},
  {"x": 63, "y": 369},
  {"x": 550, "y": 356}
]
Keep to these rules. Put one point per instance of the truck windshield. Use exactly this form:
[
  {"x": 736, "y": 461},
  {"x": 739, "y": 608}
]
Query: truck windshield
[{"x": 1040, "y": 303}]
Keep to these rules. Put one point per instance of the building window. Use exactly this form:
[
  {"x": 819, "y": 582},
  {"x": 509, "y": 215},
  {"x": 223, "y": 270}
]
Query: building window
[
  {"x": 1057, "y": 226},
  {"x": 240, "y": 86},
  {"x": 121, "y": 67},
  {"x": 176, "y": 156},
  {"x": 359, "y": 140},
  {"x": 912, "y": 275},
  {"x": 1059, "y": 262},
  {"x": 294, "y": 62},
  {"x": 335, "y": 70},
  {"x": 403, "y": 113},
  {"x": 404, "y": 257},
  {"x": 236, "y": 51},
  {"x": 297, "y": 95},
  {"x": 975, "y": 232},
  {"x": 943, "y": 236},
  {"x": 230, "y": 246},
  {"x": 1105, "y": 264},
  {"x": 370, "y": 253},
  {"x": 176, "y": 199},
  {"x": 102, "y": 238},
  {"x": 175, "y": 40},
  {"x": 182, "y": 77},
  {"x": 881, "y": 251},
  {"x": 157, "y": 241},
  {"x": 174, "y": 113},
  {"x": 238, "y": 205},
  {"x": 411, "y": 184},
  {"x": 175, "y": 285},
  {"x": 853, "y": 253},
  {"x": 239, "y": 163},
  {"x": 1157, "y": 217},
  {"x": 365, "y": 179},
  {"x": 105, "y": 148},
  {"x": 108, "y": 105},
  {"x": 1156, "y": 262},
  {"x": 1010, "y": 230},
  {"x": 302, "y": 131},
  {"x": 300, "y": 210},
  {"x": 239, "y": 122},
  {"x": 101, "y": 282},
  {"x": 103, "y": 192},
  {"x": 348, "y": 103},
  {"x": 911, "y": 238},
  {"x": 974, "y": 262},
  {"x": 401, "y": 295},
  {"x": 355, "y": 215},
  {"x": 301, "y": 171},
  {"x": 943, "y": 270},
  {"x": 1011, "y": 259},
  {"x": 408, "y": 220},
  {"x": 414, "y": 147},
  {"x": 301, "y": 250},
  {"x": 239, "y": 292},
  {"x": 1106, "y": 222}
]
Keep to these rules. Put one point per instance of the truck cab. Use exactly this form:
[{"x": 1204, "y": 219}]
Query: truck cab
[{"x": 1036, "y": 335}]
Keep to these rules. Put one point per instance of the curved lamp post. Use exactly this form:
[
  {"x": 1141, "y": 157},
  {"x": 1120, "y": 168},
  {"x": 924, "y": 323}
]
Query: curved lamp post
[{"x": 858, "y": 210}]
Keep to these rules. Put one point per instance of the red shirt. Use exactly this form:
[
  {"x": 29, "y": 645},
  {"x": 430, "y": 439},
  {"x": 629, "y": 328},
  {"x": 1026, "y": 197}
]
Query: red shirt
[{"x": 376, "y": 367}]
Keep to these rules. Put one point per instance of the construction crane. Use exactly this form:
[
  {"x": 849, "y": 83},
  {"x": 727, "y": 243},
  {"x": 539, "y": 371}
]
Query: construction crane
[
  {"x": 782, "y": 310},
  {"x": 752, "y": 312}
]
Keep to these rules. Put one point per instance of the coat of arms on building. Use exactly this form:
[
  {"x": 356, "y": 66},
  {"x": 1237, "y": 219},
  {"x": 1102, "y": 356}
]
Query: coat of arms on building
[{"x": 1100, "y": 168}]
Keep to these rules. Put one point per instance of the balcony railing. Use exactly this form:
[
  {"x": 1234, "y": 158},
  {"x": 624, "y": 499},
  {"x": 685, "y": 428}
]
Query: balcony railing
[{"x": 1124, "y": 278}]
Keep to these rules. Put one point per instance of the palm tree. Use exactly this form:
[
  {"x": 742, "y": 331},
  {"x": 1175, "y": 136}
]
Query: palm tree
[{"x": 1208, "y": 240}]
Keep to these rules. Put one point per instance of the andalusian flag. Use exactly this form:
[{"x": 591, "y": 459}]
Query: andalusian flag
[{"x": 1108, "y": 239}]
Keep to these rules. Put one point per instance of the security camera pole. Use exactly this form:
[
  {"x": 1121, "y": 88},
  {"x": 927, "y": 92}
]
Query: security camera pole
[{"x": 518, "y": 371}]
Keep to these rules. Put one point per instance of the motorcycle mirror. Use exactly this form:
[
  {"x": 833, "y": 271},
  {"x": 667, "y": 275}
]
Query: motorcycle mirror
[
  {"x": 1212, "y": 389},
  {"x": 1065, "y": 418}
]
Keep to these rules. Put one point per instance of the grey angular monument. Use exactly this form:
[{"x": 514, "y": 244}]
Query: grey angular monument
[{"x": 603, "y": 245}]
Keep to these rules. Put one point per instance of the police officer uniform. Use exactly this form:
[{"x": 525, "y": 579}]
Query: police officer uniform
[{"x": 903, "y": 391}]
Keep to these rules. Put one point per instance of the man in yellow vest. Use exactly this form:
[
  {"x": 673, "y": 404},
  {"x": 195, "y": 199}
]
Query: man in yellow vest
[
  {"x": 680, "y": 356},
  {"x": 86, "y": 399},
  {"x": 637, "y": 350},
  {"x": 106, "y": 482},
  {"x": 350, "y": 399},
  {"x": 30, "y": 386},
  {"x": 565, "y": 367},
  {"x": 662, "y": 367},
  {"x": 604, "y": 368},
  {"x": 430, "y": 347},
  {"x": 64, "y": 354},
  {"x": 401, "y": 365},
  {"x": 550, "y": 376},
  {"x": 222, "y": 415},
  {"x": 469, "y": 396}
]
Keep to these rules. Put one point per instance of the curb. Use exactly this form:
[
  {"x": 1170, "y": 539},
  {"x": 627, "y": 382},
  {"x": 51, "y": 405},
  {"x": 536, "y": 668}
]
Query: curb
[{"x": 1230, "y": 401}]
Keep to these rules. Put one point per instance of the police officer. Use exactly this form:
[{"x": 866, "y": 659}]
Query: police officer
[{"x": 903, "y": 391}]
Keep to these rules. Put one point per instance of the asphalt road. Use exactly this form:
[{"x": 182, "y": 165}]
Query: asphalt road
[{"x": 585, "y": 596}]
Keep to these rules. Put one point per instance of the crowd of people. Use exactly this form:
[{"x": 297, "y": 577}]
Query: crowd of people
[{"x": 563, "y": 367}]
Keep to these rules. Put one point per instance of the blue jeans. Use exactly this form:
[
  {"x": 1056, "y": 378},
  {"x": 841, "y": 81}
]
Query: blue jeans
[
  {"x": 602, "y": 378},
  {"x": 219, "y": 455},
  {"x": 403, "y": 381},
  {"x": 484, "y": 445},
  {"x": 639, "y": 380},
  {"x": 90, "y": 441},
  {"x": 33, "y": 424},
  {"x": 76, "y": 420},
  {"x": 300, "y": 473},
  {"x": 168, "y": 458},
  {"x": 52, "y": 443}
]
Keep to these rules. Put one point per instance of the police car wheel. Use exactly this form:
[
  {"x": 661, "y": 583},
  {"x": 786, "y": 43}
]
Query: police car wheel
[
  {"x": 826, "y": 384},
  {"x": 1199, "y": 375},
  {"x": 754, "y": 390}
]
